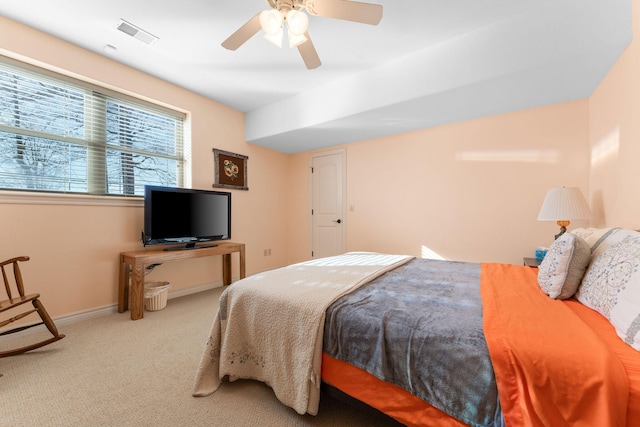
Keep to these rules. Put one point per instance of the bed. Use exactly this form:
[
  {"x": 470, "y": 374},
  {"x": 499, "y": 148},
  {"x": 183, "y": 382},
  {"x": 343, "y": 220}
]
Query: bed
[{"x": 445, "y": 343}]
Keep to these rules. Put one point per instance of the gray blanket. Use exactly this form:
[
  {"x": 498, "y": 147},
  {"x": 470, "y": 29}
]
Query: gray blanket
[{"x": 420, "y": 327}]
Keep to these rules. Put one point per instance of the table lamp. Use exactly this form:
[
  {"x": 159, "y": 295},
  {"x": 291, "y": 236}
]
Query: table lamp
[{"x": 563, "y": 205}]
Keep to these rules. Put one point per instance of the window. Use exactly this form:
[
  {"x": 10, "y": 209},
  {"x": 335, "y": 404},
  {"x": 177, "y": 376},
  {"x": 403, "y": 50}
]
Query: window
[{"x": 60, "y": 135}]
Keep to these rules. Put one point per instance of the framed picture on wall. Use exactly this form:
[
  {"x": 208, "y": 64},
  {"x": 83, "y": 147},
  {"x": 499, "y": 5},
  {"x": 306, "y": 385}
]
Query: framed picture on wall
[{"x": 230, "y": 170}]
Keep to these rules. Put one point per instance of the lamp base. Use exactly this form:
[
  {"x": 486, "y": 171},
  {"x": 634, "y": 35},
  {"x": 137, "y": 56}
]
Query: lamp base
[{"x": 563, "y": 228}]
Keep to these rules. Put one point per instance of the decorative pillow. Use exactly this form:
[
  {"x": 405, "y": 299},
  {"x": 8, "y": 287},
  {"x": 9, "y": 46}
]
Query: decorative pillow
[
  {"x": 611, "y": 286},
  {"x": 562, "y": 269},
  {"x": 593, "y": 236}
]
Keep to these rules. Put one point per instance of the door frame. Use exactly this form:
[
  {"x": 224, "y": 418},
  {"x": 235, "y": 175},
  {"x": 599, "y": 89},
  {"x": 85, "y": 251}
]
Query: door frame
[{"x": 343, "y": 153}]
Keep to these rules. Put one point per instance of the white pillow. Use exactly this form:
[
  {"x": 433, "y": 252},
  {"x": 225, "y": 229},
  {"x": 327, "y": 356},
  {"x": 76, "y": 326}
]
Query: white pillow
[
  {"x": 593, "y": 236},
  {"x": 601, "y": 239},
  {"x": 562, "y": 269},
  {"x": 611, "y": 286}
]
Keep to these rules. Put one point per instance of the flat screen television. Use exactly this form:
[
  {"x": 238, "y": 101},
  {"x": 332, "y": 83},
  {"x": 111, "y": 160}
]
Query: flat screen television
[{"x": 185, "y": 216}]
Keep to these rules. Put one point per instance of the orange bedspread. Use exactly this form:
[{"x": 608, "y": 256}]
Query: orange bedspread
[
  {"x": 385, "y": 397},
  {"x": 629, "y": 357},
  {"x": 552, "y": 369},
  {"x": 558, "y": 363}
]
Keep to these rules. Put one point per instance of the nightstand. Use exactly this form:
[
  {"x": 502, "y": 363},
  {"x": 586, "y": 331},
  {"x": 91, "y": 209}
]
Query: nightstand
[{"x": 531, "y": 262}]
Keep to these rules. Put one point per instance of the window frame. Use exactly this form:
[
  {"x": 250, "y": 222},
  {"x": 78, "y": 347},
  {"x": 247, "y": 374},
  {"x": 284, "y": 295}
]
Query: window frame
[{"x": 28, "y": 196}]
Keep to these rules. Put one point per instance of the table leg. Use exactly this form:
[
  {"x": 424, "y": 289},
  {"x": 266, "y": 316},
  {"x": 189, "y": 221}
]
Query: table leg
[
  {"x": 137, "y": 292},
  {"x": 243, "y": 271},
  {"x": 226, "y": 269},
  {"x": 123, "y": 287}
]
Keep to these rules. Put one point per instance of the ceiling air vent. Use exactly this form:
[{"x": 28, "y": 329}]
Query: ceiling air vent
[{"x": 136, "y": 32}]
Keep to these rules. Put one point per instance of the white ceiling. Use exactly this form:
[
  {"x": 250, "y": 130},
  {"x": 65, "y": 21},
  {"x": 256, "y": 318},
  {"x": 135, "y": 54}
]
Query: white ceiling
[{"x": 428, "y": 62}]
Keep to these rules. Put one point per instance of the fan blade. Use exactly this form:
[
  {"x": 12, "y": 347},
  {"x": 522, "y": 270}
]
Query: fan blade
[
  {"x": 243, "y": 33},
  {"x": 366, "y": 13},
  {"x": 308, "y": 52}
]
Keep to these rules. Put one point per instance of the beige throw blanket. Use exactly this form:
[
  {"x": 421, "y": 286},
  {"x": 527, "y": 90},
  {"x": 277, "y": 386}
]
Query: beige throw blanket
[{"x": 270, "y": 326}]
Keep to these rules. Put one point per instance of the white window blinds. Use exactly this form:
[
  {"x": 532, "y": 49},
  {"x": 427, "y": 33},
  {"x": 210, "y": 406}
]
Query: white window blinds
[{"x": 60, "y": 135}]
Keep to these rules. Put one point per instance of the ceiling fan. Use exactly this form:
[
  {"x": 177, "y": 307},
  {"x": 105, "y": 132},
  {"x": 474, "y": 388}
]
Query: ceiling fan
[{"x": 290, "y": 12}]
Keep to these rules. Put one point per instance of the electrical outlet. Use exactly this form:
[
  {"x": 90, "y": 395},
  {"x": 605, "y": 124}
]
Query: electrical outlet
[{"x": 267, "y": 252}]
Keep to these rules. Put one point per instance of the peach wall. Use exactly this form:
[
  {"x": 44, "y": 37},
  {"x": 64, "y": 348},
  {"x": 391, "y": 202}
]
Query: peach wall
[
  {"x": 299, "y": 205},
  {"x": 74, "y": 249},
  {"x": 468, "y": 191},
  {"x": 614, "y": 110}
]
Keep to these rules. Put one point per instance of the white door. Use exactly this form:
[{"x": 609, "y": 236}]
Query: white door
[{"x": 327, "y": 204}]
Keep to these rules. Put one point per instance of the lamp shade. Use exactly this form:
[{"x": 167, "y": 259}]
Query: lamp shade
[
  {"x": 564, "y": 204},
  {"x": 271, "y": 21},
  {"x": 275, "y": 38},
  {"x": 298, "y": 22}
]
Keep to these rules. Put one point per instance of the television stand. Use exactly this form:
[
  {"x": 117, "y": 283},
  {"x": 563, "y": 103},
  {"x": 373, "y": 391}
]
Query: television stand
[{"x": 133, "y": 264}]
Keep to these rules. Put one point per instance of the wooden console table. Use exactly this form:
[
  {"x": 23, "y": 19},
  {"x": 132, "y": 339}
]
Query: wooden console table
[{"x": 133, "y": 264}]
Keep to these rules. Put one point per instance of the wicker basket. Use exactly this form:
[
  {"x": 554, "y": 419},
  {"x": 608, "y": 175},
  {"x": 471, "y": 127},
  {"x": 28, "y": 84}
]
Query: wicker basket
[{"x": 155, "y": 295}]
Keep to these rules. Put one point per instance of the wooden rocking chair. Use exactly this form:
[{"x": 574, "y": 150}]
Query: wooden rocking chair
[{"x": 17, "y": 300}]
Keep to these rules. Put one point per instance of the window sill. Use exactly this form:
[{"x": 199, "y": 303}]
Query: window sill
[{"x": 28, "y": 198}]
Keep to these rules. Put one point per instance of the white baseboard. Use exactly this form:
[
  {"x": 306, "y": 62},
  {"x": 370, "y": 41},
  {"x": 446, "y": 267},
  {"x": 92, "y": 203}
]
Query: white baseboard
[
  {"x": 68, "y": 319},
  {"x": 113, "y": 308},
  {"x": 193, "y": 289},
  {"x": 106, "y": 310}
]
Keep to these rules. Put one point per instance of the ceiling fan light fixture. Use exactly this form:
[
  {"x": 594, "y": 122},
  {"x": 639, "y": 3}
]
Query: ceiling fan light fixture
[
  {"x": 295, "y": 13},
  {"x": 297, "y": 22},
  {"x": 271, "y": 21},
  {"x": 275, "y": 38},
  {"x": 296, "y": 40}
]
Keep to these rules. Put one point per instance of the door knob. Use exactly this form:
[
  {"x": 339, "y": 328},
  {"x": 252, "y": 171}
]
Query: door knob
[{"x": 338, "y": 221}]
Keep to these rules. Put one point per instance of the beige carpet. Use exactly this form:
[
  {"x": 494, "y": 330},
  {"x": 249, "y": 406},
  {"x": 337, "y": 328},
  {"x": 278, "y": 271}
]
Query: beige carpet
[{"x": 111, "y": 371}]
